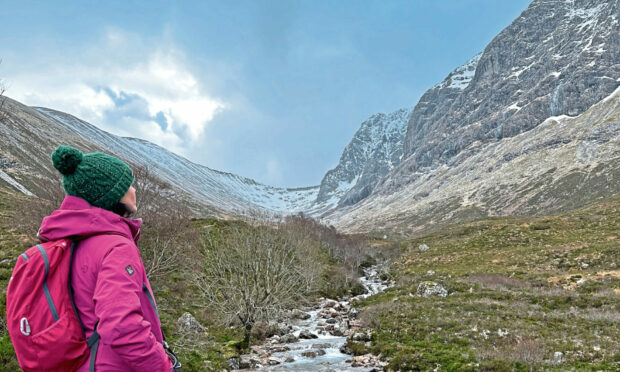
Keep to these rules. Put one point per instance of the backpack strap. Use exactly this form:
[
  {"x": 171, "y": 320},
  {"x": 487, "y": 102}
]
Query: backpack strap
[
  {"x": 171, "y": 354},
  {"x": 73, "y": 246},
  {"x": 46, "y": 289},
  {"x": 93, "y": 344},
  {"x": 93, "y": 340}
]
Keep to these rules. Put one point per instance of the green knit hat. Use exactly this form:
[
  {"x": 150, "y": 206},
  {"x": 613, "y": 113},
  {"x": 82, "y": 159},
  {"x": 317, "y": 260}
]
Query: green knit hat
[{"x": 100, "y": 179}]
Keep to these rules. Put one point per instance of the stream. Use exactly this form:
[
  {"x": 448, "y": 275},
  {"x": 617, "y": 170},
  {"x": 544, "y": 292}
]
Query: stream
[{"x": 331, "y": 323}]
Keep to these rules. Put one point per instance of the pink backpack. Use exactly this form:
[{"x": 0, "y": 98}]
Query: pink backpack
[{"x": 42, "y": 319}]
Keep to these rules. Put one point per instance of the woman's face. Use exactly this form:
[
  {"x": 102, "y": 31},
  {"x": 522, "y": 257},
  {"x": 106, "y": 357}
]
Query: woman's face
[{"x": 130, "y": 199}]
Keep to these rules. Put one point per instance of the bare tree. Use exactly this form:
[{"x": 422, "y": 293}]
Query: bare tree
[
  {"x": 253, "y": 273},
  {"x": 32, "y": 209},
  {"x": 2, "y": 98},
  {"x": 167, "y": 225}
]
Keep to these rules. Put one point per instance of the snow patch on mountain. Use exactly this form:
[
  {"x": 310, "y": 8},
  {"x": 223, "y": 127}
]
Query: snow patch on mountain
[
  {"x": 376, "y": 148},
  {"x": 226, "y": 191},
  {"x": 14, "y": 183},
  {"x": 461, "y": 76}
]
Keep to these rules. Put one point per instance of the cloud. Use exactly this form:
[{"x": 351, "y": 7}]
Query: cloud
[{"x": 126, "y": 85}]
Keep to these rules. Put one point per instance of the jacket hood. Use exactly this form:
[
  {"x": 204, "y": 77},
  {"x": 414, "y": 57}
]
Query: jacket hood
[{"x": 77, "y": 219}]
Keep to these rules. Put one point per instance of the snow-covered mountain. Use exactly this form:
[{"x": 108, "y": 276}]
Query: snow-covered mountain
[
  {"x": 29, "y": 135},
  {"x": 559, "y": 57},
  {"x": 528, "y": 126},
  {"x": 376, "y": 148}
]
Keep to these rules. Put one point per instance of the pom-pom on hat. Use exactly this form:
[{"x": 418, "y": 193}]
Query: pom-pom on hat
[{"x": 100, "y": 179}]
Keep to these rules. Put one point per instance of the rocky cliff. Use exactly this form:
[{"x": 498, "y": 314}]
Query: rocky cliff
[
  {"x": 376, "y": 149},
  {"x": 557, "y": 59}
]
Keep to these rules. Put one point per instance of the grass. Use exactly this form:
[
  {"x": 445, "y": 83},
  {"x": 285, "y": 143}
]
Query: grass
[{"x": 521, "y": 289}]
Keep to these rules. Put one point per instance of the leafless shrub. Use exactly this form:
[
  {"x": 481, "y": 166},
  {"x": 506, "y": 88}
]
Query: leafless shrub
[
  {"x": 2, "y": 98},
  {"x": 405, "y": 279},
  {"x": 369, "y": 317},
  {"x": 3, "y": 327},
  {"x": 516, "y": 348},
  {"x": 552, "y": 291},
  {"x": 350, "y": 250},
  {"x": 611, "y": 316},
  {"x": 32, "y": 209},
  {"x": 254, "y": 273},
  {"x": 528, "y": 351},
  {"x": 189, "y": 341},
  {"x": 498, "y": 281},
  {"x": 167, "y": 231}
]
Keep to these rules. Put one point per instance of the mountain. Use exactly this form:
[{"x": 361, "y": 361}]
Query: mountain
[
  {"x": 376, "y": 149},
  {"x": 563, "y": 163},
  {"x": 527, "y": 126},
  {"x": 28, "y": 136},
  {"x": 557, "y": 59}
]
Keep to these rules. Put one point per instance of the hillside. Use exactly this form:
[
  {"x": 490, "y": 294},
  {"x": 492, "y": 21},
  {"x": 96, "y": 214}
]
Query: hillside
[
  {"x": 522, "y": 293},
  {"x": 29, "y": 135}
]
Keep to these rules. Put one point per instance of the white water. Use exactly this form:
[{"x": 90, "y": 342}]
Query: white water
[{"x": 333, "y": 360}]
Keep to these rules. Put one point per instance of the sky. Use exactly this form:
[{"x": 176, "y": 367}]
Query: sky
[{"x": 271, "y": 90}]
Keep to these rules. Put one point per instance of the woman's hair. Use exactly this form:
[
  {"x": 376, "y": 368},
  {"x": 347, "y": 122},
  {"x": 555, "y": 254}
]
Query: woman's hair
[{"x": 122, "y": 210}]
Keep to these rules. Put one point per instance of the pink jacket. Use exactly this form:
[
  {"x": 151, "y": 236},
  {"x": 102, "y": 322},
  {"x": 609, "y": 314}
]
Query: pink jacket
[{"x": 109, "y": 282}]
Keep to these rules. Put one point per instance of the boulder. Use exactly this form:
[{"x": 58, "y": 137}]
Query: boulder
[
  {"x": 309, "y": 354},
  {"x": 233, "y": 363},
  {"x": 246, "y": 362},
  {"x": 322, "y": 346},
  {"x": 353, "y": 312},
  {"x": 298, "y": 314},
  {"x": 278, "y": 348},
  {"x": 361, "y": 336},
  {"x": 288, "y": 339},
  {"x": 423, "y": 248},
  {"x": 188, "y": 324},
  {"x": 428, "y": 289},
  {"x": 337, "y": 332},
  {"x": 306, "y": 334}
]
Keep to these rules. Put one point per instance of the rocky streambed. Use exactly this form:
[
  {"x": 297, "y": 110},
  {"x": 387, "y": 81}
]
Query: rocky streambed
[{"x": 314, "y": 339}]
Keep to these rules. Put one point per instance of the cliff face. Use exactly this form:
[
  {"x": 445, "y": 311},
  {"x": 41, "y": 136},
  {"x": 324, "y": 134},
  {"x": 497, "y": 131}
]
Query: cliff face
[
  {"x": 562, "y": 164},
  {"x": 558, "y": 58},
  {"x": 376, "y": 149}
]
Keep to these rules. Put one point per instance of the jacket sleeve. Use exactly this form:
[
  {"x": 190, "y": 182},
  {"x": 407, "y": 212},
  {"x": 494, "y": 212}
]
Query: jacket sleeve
[{"x": 117, "y": 306}]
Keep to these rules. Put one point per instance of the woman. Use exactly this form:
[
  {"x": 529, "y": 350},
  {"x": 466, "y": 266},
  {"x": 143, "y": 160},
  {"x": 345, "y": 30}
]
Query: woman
[{"x": 111, "y": 290}]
